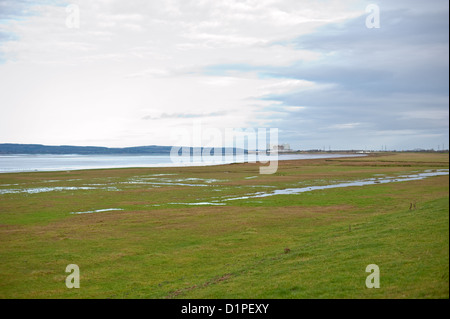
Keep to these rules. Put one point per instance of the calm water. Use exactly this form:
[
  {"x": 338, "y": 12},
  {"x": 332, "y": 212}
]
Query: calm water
[
  {"x": 370, "y": 181},
  {"x": 28, "y": 163}
]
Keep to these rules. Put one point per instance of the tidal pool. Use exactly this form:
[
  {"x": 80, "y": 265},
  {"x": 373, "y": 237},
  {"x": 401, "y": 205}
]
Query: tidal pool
[
  {"x": 98, "y": 211},
  {"x": 370, "y": 181},
  {"x": 298, "y": 190}
]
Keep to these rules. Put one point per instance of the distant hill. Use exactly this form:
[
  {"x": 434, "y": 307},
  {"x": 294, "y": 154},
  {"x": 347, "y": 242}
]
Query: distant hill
[{"x": 9, "y": 148}]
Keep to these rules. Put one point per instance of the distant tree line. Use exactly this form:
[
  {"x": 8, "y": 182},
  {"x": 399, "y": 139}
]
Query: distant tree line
[{"x": 96, "y": 150}]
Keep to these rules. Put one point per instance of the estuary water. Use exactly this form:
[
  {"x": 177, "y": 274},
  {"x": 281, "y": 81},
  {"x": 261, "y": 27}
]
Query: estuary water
[{"x": 30, "y": 163}]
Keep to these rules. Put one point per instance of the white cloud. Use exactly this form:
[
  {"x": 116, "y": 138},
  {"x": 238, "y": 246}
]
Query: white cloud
[
  {"x": 428, "y": 114},
  {"x": 286, "y": 86},
  {"x": 344, "y": 126},
  {"x": 129, "y": 60}
]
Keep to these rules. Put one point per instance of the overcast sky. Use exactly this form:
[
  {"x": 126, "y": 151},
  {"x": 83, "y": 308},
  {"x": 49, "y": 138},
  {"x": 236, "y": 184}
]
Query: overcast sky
[{"x": 133, "y": 72}]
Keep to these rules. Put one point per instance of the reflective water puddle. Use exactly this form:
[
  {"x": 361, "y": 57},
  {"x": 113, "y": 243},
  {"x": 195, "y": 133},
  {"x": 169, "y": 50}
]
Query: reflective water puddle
[
  {"x": 98, "y": 211},
  {"x": 370, "y": 181},
  {"x": 298, "y": 190},
  {"x": 37, "y": 190},
  {"x": 42, "y": 190}
]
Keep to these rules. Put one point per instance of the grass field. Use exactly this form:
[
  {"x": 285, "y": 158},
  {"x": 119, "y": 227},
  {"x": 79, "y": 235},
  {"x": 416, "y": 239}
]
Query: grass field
[{"x": 160, "y": 246}]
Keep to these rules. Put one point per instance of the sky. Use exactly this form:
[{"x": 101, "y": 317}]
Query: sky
[{"x": 130, "y": 73}]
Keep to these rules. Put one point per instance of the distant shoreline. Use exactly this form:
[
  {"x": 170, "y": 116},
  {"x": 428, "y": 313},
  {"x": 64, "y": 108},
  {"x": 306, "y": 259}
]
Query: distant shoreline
[{"x": 15, "y": 163}]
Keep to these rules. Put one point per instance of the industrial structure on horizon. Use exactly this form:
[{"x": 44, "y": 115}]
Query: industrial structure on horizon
[{"x": 279, "y": 148}]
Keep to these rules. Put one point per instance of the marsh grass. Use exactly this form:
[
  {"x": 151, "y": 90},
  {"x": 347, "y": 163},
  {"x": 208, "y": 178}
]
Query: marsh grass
[{"x": 154, "y": 249}]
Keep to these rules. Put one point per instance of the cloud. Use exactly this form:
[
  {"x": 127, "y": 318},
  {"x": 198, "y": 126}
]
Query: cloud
[
  {"x": 345, "y": 126},
  {"x": 391, "y": 79},
  {"x": 310, "y": 68},
  {"x": 13, "y": 10},
  {"x": 182, "y": 115}
]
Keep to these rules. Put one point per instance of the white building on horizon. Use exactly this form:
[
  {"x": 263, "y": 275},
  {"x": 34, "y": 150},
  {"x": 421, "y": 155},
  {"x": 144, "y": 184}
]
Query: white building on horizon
[{"x": 279, "y": 148}]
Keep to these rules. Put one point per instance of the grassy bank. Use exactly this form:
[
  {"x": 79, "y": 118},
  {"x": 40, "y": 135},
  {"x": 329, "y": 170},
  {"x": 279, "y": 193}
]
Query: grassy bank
[{"x": 310, "y": 245}]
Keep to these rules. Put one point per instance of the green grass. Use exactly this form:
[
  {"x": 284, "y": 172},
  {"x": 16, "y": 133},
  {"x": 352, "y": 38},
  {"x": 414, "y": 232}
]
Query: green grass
[{"x": 157, "y": 249}]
